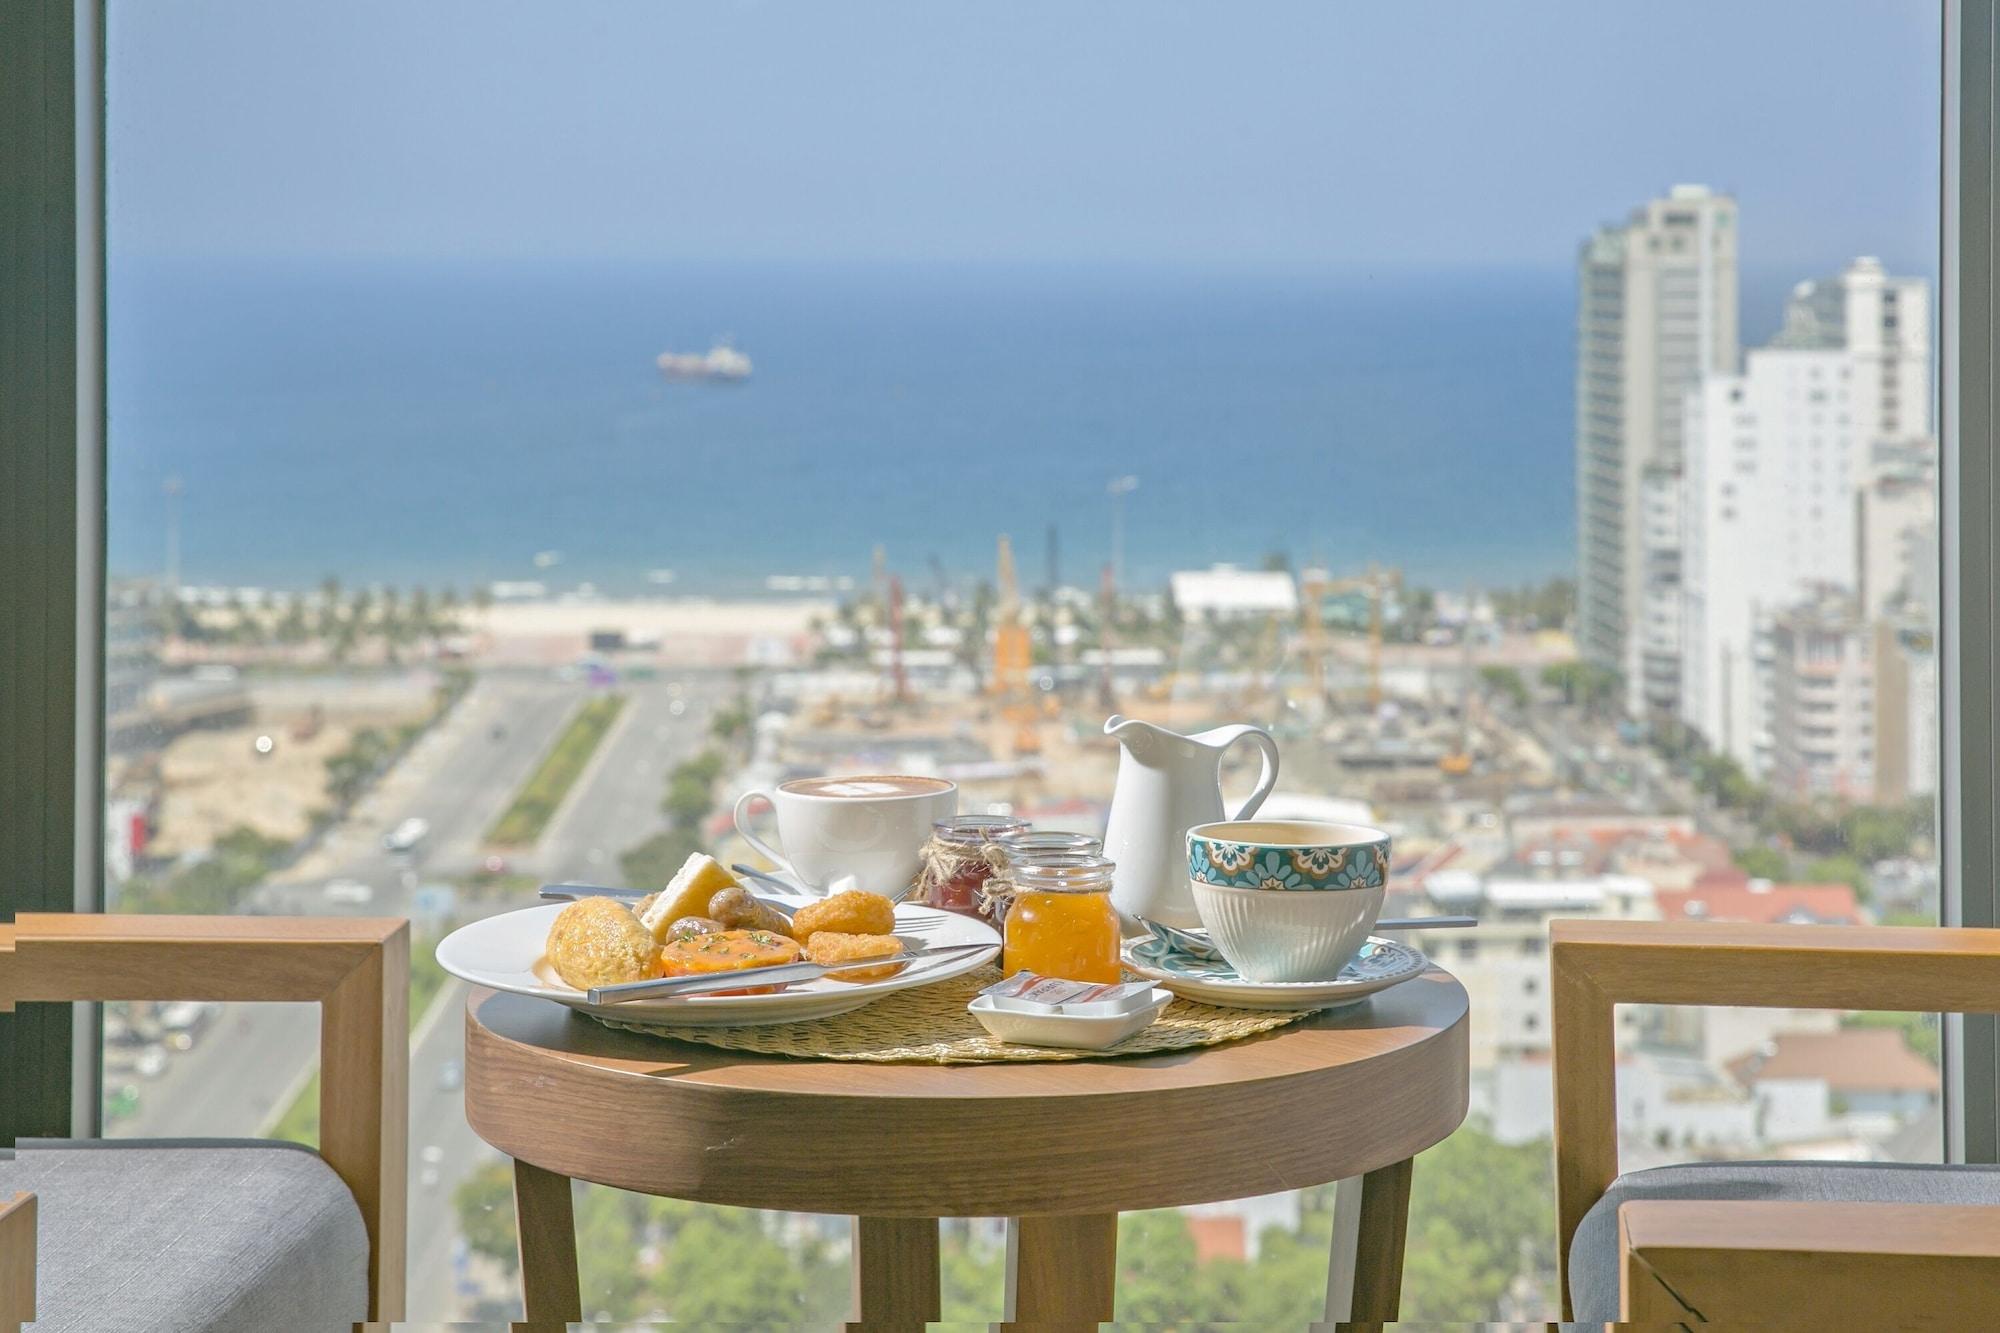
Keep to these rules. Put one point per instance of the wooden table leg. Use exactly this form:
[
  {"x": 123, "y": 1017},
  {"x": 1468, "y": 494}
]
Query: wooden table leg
[
  {"x": 1378, "y": 1253},
  {"x": 895, "y": 1272},
  {"x": 545, "y": 1223},
  {"x": 1062, "y": 1270}
]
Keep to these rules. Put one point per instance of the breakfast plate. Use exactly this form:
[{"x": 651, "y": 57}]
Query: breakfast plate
[
  {"x": 507, "y": 953},
  {"x": 1381, "y": 964}
]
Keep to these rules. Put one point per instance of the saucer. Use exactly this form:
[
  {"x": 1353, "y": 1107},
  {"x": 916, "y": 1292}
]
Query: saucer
[{"x": 1380, "y": 964}]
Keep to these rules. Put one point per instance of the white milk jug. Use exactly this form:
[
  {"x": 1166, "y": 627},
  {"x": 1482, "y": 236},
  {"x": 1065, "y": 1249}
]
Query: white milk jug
[{"x": 1167, "y": 783}]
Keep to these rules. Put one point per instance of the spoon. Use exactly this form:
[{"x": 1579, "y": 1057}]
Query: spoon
[{"x": 1196, "y": 944}]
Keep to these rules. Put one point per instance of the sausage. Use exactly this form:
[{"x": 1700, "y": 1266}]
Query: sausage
[{"x": 739, "y": 909}]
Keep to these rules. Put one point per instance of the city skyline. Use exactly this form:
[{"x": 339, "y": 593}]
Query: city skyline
[{"x": 1757, "y": 532}]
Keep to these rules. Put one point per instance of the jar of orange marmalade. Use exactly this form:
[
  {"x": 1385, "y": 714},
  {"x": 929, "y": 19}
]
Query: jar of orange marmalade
[{"x": 1060, "y": 922}]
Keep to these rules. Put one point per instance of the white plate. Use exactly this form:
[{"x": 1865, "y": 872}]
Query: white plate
[
  {"x": 506, "y": 953},
  {"x": 1382, "y": 964}
]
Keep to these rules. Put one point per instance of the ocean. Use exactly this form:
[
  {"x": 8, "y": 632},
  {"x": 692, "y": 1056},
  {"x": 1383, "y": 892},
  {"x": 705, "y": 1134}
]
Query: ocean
[{"x": 443, "y": 423}]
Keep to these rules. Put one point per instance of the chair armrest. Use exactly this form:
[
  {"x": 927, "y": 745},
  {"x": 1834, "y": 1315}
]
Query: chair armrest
[
  {"x": 17, "y": 1262},
  {"x": 1938, "y": 969},
  {"x": 1748, "y": 1263},
  {"x": 356, "y": 969},
  {"x": 1596, "y": 965},
  {"x": 51, "y": 956}
]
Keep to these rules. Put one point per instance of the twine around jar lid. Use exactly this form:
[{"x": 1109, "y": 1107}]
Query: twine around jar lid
[{"x": 961, "y": 843}]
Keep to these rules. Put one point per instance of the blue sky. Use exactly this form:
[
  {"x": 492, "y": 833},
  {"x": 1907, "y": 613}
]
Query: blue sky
[{"x": 1290, "y": 134}]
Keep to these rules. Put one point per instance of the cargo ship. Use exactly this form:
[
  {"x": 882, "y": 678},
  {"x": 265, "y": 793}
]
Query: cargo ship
[{"x": 720, "y": 362}]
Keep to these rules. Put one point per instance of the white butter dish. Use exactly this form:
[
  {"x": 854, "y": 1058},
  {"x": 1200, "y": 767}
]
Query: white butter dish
[
  {"x": 1024, "y": 992},
  {"x": 1068, "y": 1027}
]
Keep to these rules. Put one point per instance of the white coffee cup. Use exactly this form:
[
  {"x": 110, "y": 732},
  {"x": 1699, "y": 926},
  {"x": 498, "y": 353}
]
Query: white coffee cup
[{"x": 872, "y": 827}]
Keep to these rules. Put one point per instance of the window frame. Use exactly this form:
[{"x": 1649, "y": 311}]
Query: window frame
[
  {"x": 52, "y": 512},
  {"x": 51, "y": 528},
  {"x": 1968, "y": 630}
]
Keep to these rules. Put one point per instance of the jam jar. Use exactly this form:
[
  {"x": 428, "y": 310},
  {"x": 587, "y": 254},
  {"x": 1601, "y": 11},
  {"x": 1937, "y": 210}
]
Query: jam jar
[
  {"x": 1060, "y": 921},
  {"x": 956, "y": 867}
]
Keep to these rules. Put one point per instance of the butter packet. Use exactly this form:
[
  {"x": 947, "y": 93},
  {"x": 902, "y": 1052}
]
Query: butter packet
[{"x": 1027, "y": 992}]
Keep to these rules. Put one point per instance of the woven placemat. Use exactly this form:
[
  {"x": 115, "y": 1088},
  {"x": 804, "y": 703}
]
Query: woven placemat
[{"x": 929, "y": 1025}]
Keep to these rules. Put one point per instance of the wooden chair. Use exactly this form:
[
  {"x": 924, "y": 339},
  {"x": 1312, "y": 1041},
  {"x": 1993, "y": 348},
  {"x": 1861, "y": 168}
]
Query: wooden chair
[
  {"x": 17, "y": 1262},
  {"x": 357, "y": 971},
  {"x": 1779, "y": 1244}
]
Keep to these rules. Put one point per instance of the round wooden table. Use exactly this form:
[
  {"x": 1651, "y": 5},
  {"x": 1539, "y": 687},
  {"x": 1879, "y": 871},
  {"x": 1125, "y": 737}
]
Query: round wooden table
[{"x": 1061, "y": 1147}]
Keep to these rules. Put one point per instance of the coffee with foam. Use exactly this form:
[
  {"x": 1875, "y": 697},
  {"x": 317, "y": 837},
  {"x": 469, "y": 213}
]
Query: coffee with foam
[
  {"x": 865, "y": 788},
  {"x": 871, "y": 826}
]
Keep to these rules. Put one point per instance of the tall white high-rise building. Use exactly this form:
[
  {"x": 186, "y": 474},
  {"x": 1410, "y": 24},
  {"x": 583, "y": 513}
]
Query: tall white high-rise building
[
  {"x": 1779, "y": 476},
  {"x": 1656, "y": 311}
]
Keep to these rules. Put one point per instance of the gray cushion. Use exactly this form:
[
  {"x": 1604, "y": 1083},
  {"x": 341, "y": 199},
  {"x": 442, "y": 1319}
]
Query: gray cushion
[
  {"x": 1593, "y": 1254},
  {"x": 192, "y": 1235}
]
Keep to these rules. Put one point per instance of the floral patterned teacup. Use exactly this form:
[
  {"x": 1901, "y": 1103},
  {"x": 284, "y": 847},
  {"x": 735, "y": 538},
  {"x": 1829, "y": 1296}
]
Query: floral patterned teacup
[
  {"x": 1288, "y": 855},
  {"x": 1287, "y": 900}
]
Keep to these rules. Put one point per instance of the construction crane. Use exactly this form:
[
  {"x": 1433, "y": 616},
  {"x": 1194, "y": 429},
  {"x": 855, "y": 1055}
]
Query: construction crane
[
  {"x": 899, "y": 681},
  {"x": 1106, "y": 692},
  {"x": 1459, "y": 762},
  {"x": 1012, "y": 651},
  {"x": 1374, "y": 582},
  {"x": 1312, "y": 587},
  {"x": 1013, "y": 654}
]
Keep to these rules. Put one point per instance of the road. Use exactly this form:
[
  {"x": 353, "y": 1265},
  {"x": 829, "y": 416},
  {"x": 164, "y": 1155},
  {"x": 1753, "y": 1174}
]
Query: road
[
  {"x": 458, "y": 777},
  {"x": 251, "y": 1059},
  {"x": 614, "y": 805}
]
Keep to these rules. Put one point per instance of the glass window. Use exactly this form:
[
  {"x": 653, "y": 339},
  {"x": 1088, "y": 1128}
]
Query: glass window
[{"x": 516, "y": 454}]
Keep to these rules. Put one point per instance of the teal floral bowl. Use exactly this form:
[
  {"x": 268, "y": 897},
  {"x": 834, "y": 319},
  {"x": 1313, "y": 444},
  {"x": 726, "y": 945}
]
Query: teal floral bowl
[{"x": 1288, "y": 855}]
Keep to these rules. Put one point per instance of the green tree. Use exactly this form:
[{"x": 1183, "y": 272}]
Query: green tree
[
  {"x": 329, "y": 607},
  {"x": 423, "y": 617},
  {"x": 350, "y": 769},
  {"x": 1920, "y": 1031},
  {"x": 1840, "y": 868},
  {"x": 1877, "y": 833},
  {"x": 1482, "y": 1213},
  {"x": 732, "y": 723},
  {"x": 1157, "y": 1273},
  {"x": 650, "y": 1258},
  {"x": 652, "y": 863},
  {"x": 971, "y": 1278},
  {"x": 216, "y": 884},
  {"x": 484, "y": 1205},
  {"x": 688, "y": 799},
  {"x": 1583, "y": 684},
  {"x": 292, "y": 626},
  {"x": 1505, "y": 682},
  {"x": 1813, "y": 827},
  {"x": 1762, "y": 862},
  {"x": 704, "y": 767}
]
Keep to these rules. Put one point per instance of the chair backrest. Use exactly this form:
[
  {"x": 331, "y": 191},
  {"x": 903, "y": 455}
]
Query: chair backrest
[
  {"x": 17, "y": 1262},
  {"x": 357, "y": 969},
  {"x": 1596, "y": 965}
]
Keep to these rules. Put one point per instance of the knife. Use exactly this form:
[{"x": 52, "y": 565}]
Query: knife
[{"x": 661, "y": 988}]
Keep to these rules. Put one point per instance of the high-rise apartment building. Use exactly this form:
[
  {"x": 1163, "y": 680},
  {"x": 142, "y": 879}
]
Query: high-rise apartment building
[
  {"x": 1656, "y": 311},
  {"x": 1786, "y": 492},
  {"x": 1822, "y": 700}
]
